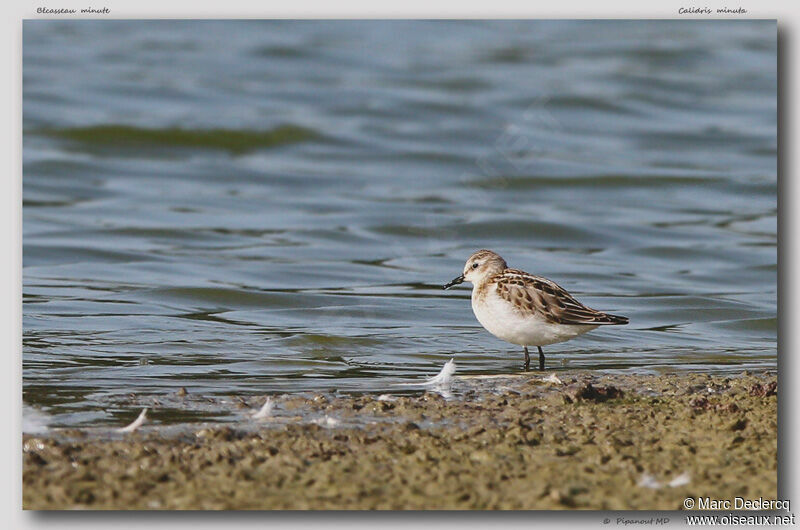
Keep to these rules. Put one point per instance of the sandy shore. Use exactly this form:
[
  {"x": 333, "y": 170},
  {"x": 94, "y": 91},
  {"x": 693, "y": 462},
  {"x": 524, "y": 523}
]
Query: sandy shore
[{"x": 587, "y": 442}]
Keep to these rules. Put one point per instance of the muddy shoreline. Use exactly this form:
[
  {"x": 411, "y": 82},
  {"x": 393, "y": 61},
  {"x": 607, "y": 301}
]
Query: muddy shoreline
[{"x": 579, "y": 441}]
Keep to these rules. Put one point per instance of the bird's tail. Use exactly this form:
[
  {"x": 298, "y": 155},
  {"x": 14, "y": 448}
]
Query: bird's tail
[
  {"x": 617, "y": 319},
  {"x": 612, "y": 319}
]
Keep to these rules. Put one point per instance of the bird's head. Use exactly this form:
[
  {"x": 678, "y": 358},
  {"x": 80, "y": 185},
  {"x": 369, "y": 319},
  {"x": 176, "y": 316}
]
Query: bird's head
[{"x": 482, "y": 265}]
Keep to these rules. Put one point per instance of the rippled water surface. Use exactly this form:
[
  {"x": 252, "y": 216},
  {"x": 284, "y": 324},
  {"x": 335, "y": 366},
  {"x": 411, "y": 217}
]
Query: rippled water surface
[{"x": 248, "y": 207}]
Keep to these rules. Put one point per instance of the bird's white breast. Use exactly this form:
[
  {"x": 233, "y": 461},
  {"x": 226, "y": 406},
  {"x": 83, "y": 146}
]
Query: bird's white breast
[{"x": 505, "y": 322}]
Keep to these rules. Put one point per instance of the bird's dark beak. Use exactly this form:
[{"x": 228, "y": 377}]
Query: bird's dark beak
[{"x": 455, "y": 281}]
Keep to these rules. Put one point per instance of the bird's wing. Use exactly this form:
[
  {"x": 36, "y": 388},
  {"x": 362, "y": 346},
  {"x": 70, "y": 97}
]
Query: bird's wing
[{"x": 534, "y": 295}]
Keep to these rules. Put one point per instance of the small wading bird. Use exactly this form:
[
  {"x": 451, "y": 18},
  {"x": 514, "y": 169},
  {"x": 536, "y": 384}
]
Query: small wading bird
[{"x": 524, "y": 309}]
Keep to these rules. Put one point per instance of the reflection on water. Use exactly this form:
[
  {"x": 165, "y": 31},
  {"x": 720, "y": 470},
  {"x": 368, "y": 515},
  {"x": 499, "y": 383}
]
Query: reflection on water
[{"x": 247, "y": 207}]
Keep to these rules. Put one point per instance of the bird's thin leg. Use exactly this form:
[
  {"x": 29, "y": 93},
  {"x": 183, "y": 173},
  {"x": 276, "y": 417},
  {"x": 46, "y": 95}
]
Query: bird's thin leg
[
  {"x": 527, "y": 359},
  {"x": 541, "y": 358}
]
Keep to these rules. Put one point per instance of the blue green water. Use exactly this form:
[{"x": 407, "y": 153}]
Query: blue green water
[{"x": 247, "y": 207}]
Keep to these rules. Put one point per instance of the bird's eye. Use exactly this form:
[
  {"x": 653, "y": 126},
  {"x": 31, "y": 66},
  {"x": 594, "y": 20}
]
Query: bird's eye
[{"x": 475, "y": 265}]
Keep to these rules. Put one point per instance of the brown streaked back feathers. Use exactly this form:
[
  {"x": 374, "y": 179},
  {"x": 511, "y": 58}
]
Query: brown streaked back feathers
[{"x": 536, "y": 295}]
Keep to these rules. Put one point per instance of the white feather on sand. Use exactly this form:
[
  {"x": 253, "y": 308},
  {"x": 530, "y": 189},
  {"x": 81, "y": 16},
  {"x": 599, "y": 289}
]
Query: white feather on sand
[
  {"x": 265, "y": 411},
  {"x": 136, "y": 423},
  {"x": 444, "y": 376},
  {"x": 681, "y": 480},
  {"x": 440, "y": 381},
  {"x": 649, "y": 481},
  {"x": 327, "y": 421},
  {"x": 553, "y": 378}
]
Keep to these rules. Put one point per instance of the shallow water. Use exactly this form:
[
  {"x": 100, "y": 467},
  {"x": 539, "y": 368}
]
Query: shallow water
[{"x": 247, "y": 207}]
